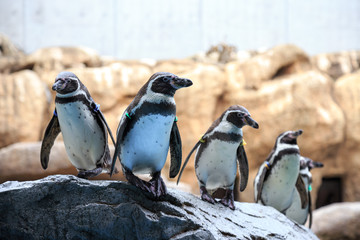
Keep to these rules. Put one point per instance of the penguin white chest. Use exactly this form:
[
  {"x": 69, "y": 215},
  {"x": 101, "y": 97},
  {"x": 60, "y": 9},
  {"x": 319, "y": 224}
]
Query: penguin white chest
[
  {"x": 146, "y": 145},
  {"x": 278, "y": 189},
  {"x": 83, "y": 138},
  {"x": 216, "y": 164}
]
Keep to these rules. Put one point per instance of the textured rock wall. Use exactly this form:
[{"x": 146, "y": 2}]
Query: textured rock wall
[
  {"x": 282, "y": 88},
  {"x": 66, "y": 207}
]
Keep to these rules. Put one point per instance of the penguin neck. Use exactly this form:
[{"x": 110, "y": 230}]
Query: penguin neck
[
  {"x": 154, "y": 98},
  {"x": 227, "y": 127},
  {"x": 225, "y": 131}
]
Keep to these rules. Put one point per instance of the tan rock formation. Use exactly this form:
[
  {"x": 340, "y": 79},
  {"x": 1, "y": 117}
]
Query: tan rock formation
[
  {"x": 21, "y": 161},
  {"x": 347, "y": 94},
  {"x": 11, "y": 58},
  {"x": 24, "y": 103},
  {"x": 280, "y": 60},
  {"x": 337, "y": 64},
  {"x": 48, "y": 62}
]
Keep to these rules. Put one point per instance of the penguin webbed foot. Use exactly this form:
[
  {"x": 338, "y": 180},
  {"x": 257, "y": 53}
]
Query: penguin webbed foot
[
  {"x": 134, "y": 180},
  {"x": 157, "y": 185},
  {"x": 89, "y": 173},
  {"x": 228, "y": 199},
  {"x": 205, "y": 196}
]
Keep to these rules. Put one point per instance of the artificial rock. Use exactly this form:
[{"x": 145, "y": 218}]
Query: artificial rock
[{"x": 66, "y": 207}]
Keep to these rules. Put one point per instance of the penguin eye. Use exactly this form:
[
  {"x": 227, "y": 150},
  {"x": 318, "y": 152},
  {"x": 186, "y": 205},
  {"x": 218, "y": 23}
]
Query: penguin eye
[
  {"x": 165, "y": 79},
  {"x": 240, "y": 114}
]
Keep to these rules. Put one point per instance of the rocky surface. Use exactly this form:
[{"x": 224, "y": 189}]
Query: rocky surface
[
  {"x": 66, "y": 207},
  {"x": 337, "y": 221}
]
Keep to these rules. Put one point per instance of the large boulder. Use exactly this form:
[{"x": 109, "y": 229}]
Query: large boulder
[
  {"x": 24, "y": 101},
  {"x": 66, "y": 207},
  {"x": 337, "y": 221}
]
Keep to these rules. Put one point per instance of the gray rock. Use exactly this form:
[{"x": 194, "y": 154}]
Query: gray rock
[
  {"x": 337, "y": 221},
  {"x": 66, "y": 207}
]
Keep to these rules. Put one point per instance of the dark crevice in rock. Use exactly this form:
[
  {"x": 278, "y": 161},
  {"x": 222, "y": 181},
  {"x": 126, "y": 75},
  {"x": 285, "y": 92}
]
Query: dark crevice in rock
[{"x": 227, "y": 234}]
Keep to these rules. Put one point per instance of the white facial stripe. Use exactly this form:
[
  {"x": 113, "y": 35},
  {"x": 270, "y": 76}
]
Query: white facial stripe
[
  {"x": 162, "y": 75},
  {"x": 77, "y": 92},
  {"x": 153, "y": 97},
  {"x": 226, "y": 127}
]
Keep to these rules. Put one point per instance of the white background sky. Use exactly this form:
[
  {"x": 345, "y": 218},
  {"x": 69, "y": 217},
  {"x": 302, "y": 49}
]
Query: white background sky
[{"x": 132, "y": 29}]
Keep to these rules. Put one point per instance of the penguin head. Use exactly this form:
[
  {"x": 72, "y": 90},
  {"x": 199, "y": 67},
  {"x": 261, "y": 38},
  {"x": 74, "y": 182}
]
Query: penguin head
[
  {"x": 167, "y": 83},
  {"x": 309, "y": 163},
  {"x": 66, "y": 82},
  {"x": 289, "y": 137},
  {"x": 240, "y": 116}
]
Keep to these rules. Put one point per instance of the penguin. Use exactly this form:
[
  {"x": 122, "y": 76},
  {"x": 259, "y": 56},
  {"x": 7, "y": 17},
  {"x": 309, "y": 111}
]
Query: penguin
[
  {"x": 295, "y": 212},
  {"x": 218, "y": 152},
  {"x": 83, "y": 126},
  {"x": 277, "y": 176},
  {"x": 148, "y": 127}
]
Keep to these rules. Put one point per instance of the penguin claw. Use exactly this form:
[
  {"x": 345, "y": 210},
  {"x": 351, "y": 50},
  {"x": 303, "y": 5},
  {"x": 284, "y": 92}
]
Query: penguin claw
[
  {"x": 89, "y": 173},
  {"x": 205, "y": 196},
  {"x": 228, "y": 200},
  {"x": 157, "y": 186},
  {"x": 228, "y": 203},
  {"x": 134, "y": 180}
]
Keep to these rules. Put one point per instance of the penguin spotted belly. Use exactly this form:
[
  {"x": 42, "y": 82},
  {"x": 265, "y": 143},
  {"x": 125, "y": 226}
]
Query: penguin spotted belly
[
  {"x": 217, "y": 165},
  {"x": 278, "y": 188},
  {"x": 146, "y": 145},
  {"x": 83, "y": 138}
]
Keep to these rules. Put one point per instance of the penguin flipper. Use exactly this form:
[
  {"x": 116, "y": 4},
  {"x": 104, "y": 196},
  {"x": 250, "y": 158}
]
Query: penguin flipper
[
  {"x": 125, "y": 119},
  {"x": 187, "y": 159},
  {"x": 102, "y": 118},
  {"x": 175, "y": 151},
  {"x": 243, "y": 167},
  {"x": 51, "y": 132},
  {"x": 300, "y": 186},
  {"x": 260, "y": 184},
  {"x": 310, "y": 210}
]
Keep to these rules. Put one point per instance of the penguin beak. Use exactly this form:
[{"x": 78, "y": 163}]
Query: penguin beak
[
  {"x": 181, "y": 82},
  {"x": 316, "y": 164},
  {"x": 251, "y": 122},
  {"x": 297, "y": 133},
  {"x": 58, "y": 85}
]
